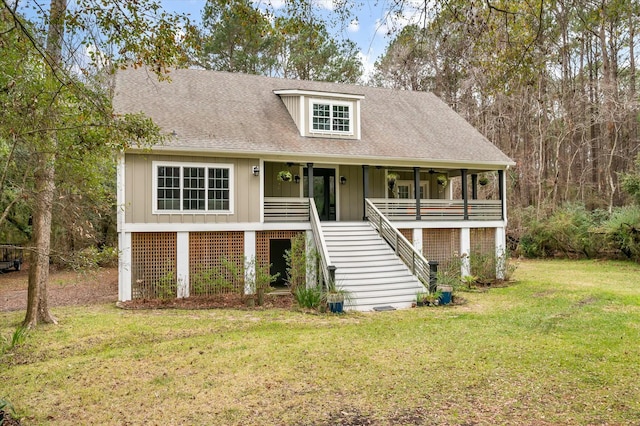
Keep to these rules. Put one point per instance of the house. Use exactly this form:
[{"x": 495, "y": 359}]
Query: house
[{"x": 248, "y": 153}]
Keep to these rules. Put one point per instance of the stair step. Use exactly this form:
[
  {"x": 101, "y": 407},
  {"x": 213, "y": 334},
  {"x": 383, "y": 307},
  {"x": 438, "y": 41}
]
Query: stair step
[
  {"x": 392, "y": 269},
  {"x": 368, "y": 267}
]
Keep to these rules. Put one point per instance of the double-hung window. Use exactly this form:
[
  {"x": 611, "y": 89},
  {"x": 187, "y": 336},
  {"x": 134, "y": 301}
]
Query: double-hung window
[
  {"x": 193, "y": 187},
  {"x": 331, "y": 117}
]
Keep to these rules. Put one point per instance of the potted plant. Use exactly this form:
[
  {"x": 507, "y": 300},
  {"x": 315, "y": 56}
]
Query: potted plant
[
  {"x": 445, "y": 294},
  {"x": 284, "y": 176},
  {"x": 483, "y": 180},
  {"x": 335, "y": 297},
  {"x": 433, "y": 298},
  {"x": 391, "y": 180},
  {"x": 442, "y": 180}
]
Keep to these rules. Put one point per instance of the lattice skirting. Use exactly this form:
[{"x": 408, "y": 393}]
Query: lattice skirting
[
  {"x": 217, "y": 259},
  {"x": 407, "y": 233},
  {"x": 441, "y": 245},
  {"x": 483, "y": 243},
  {"x": 153, "y": 265},
  {"x": 262, "y": 243},
  {"x": 216, "y": 263}
]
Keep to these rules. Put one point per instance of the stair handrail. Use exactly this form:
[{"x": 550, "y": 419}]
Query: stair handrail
[
  {"x": 328, "y": 270},
  {"x": 411, "y": 257}
]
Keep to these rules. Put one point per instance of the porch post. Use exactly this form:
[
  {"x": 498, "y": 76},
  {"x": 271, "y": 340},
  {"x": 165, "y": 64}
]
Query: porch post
[
  {"x": 465, "y": 251},
  {"x": 501, "y": 252},
  {"x": 312, "y": 267},
  {"x": 501, "y": 189},
  {"x": 365, "y": 190},
  {"x": 310, "y": 179},
  {"x": 251, "y": 260},
  {"x": 474, "y": 186},
  {"x": 124, "y": 266},
  {"x": 465, "y": 194},
  {"x": 417, "y": 239},
  {"x": 182, "y": 264},
  {"x": 416, "y": 190}
]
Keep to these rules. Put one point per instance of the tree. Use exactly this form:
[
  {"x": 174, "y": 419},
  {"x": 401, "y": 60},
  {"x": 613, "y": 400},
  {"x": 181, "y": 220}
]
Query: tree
[
  {"x": 552, "y": 83},
  {"x": 235, "y": 37},
  {"x": 305, "y": 51},
  {"x": 238, "y": 36},
  {"x": 68, "y": 116}
]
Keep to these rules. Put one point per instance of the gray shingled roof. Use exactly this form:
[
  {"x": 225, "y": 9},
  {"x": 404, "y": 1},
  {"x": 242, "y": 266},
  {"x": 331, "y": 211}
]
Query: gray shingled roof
[{"x": 228, "y": 112}]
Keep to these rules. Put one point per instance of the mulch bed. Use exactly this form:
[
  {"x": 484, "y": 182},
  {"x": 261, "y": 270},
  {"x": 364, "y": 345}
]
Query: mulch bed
[{"x": 220, "y": 301}]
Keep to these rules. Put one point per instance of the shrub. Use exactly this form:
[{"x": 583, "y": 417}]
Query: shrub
[
  {"x": 570, "y": 230},
  {"x": 259, "y": 279},
  {"x": 108, "y": 257},
  {"x": 85, "y": 259},
  {"x": 308, "y": 297},
  {"x": 299, "y": 261},
  {"x": 89, "y": 258},
  {"x": 622, "y": 231},
  {"x": 214, "y": 280}
]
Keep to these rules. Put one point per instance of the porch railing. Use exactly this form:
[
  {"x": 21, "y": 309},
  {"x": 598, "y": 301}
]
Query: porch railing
[
  {"x": 403, "y": 248},
  {"x": 328, "y": 269},
  {"x": 405, "y": 209},
  {"x": 286, "y": 209}
]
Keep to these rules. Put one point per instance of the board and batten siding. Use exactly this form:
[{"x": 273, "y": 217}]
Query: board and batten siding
[
  {"x": 351, "y": 194},
  {"x": 275, "y": 188},
  {"x": 293, "y": 106},
  {"x": 377, "y": 182},
  {"x": 139, "y": 191}
]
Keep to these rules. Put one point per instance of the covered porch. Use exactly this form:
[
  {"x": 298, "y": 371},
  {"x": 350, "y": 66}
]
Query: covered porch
[{"x": 401, "y": 194}]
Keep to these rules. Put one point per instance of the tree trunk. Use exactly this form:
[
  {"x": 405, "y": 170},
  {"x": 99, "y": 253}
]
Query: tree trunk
[
  {"x": 37, "y": 297},
  {"x": 37, "y": 300}
]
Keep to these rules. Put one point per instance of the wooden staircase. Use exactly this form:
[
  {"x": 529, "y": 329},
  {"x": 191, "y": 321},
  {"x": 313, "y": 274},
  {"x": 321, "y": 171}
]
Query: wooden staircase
[{"x": 368, "y": 268}]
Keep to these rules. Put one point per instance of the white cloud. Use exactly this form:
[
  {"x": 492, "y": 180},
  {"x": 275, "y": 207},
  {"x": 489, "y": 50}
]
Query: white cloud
[
  {"x": 325, "y": 4},
  {"x": 354, "y": 26},
  {"x": 368, "y": 62}
]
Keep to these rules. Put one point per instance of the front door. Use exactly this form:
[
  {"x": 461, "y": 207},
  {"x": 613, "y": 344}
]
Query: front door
[{"x": 324, "y": 191}]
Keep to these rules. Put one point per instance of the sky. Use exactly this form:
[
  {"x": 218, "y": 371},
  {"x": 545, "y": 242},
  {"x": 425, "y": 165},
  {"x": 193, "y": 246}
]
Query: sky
[{"x": 368, "y": 30}]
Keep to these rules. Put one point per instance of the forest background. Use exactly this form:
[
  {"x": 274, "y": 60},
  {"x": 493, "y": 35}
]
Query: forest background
[{"x": 553, "y": 83}]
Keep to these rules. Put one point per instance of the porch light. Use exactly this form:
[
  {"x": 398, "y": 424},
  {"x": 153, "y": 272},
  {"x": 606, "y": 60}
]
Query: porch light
[
  {"x": 296, "y": 178},
  {"x": 343, "y": 180},
  {"x": 256, "y": 170}
]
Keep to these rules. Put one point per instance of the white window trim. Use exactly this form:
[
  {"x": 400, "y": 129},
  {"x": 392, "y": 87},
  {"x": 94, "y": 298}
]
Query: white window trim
[
  {"x": 410, "y": 184},
  {"x": 331, "y": 103},
  {"x": 154, "y": 198}
]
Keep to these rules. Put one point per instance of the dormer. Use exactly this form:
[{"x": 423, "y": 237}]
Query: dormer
[{"x": 323, "y": 114}]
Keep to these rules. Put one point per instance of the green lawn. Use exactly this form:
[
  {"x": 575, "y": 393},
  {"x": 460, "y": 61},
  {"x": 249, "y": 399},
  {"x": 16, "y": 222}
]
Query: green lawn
[{"x": 561, "y": 345}]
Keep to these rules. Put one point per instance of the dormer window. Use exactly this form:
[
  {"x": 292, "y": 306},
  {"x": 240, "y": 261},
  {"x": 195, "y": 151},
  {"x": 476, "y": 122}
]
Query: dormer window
[
  {"x": 330, "y": 117},
  {"x": 324, "y": 114}
]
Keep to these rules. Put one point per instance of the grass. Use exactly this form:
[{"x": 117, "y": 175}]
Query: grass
[{"x": 558, "y": 346}]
